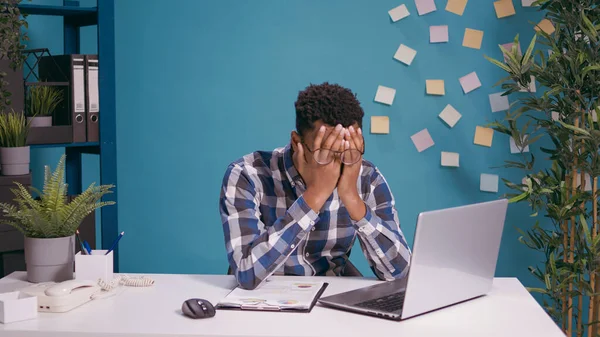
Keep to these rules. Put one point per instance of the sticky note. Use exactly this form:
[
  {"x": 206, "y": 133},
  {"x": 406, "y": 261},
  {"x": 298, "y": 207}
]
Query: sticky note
[
  {"x": 380, "y": 124},
  {"x": 499, "y": 102},
  {"x": 588, "y": 181},
  {"x": 422, "y": 140},
  {"x": 438, "y": 34},
  {"x": 594, "y": 115},
  {"x": 504, "y": 8},
  {"x": 398, "y": 13},
  {"x": 469, "y": 82},
  {"x": 473, "y": 38},
  {"x": 545, "y": 25},
  {"x": 488, "y": 183},
  {"x": 405, "y": 54},
  {"x": 555, "y": 115},
  {"x": 450, "y": 159},
  {"x": 532, "y": 86},
  {"x": 483, "y": 136},
  {"x": 450, "y": 115},
  {"x": 527, "y": 3},
  {"x": 385, "y": 95},
  {"x": 508, "y": 47},
  {"x": 435, "y": 87},
  {"x": 516, "y": 149},
  {"x": 425, "y": 6},
  {"x": 456, "y": 6}
]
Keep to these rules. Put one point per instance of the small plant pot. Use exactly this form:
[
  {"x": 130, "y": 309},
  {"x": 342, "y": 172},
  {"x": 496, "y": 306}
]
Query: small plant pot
[
  {"x": 40, "y": 122},
  {"x": 14, "y": 161},
  {"x": 49, "y": 260}
]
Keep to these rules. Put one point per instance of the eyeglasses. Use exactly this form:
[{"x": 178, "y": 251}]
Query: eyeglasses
[{"x": 326, "y": 156}]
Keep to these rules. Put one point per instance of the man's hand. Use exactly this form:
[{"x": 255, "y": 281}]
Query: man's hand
[
  {"x": 320, "y": 180},
  {"x": 347, "y": 186}
]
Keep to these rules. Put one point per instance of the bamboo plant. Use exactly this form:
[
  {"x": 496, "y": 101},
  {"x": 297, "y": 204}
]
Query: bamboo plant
[{"x": 561, "y": 119}]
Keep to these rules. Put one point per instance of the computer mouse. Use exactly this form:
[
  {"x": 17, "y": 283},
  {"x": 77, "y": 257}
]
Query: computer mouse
[{"x": 198, "y": 308}]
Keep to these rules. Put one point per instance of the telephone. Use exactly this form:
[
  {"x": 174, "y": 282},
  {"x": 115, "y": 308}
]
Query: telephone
[{"x": 64, "y": 296}]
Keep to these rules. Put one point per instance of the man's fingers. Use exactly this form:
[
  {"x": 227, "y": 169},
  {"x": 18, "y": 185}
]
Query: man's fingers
[
  {"x": 333, "y": 138},
  {"x": 319, "y": 138},
  {"x": 300, "y": 159},
  {"x": 356, "y": 139},
  {"x": 338, "y": 144}
]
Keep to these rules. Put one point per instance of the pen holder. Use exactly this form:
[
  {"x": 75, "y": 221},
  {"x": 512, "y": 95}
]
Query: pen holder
[
  {"x": 17, "y": 306},
  {"x": 95, "y": 266}
]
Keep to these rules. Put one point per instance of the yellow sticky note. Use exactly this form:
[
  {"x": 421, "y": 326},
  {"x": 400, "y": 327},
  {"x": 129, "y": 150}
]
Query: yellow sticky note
[
  {"x": 456, "y": 6},
  {"x": 473, "y": 38},
  {"x": 380, "y": 124},
  {"x": 435, "y": 87},
  {"x": 504, "y": 8},
  {"x": 545, "y": 25},
  {"x": 484, "y": 136}
]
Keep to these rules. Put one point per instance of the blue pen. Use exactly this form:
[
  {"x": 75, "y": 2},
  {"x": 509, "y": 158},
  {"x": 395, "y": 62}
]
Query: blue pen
[
  {"x": 87, "y": 247},
  {"x": 114, "y": 245}
]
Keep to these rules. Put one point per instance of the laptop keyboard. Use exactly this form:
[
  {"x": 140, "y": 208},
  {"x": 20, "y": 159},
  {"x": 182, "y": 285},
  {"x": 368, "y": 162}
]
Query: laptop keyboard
[{"x": 388, "y": 303}]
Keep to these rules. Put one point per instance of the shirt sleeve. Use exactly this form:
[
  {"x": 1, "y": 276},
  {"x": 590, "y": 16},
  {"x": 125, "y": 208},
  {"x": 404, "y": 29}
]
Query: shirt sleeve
[
  {"x": 254, "y": 250},
  {"x": 379, "y": 233}
]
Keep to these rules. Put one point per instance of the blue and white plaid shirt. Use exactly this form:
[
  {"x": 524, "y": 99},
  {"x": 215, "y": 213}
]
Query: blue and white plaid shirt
[{"x": 270, "y": 229}]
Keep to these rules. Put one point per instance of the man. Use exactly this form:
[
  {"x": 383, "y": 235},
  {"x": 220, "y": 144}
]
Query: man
[{"x": 297, "y": 210}]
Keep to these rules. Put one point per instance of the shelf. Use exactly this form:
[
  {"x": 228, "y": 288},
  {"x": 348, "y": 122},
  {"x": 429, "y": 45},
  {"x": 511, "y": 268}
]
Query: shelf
[
  {"x": 87, "y": 144},
  {"x": 76, "y": 16}
]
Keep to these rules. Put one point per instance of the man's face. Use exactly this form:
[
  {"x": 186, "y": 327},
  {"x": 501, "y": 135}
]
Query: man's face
[{"x": 308, "y": 138}]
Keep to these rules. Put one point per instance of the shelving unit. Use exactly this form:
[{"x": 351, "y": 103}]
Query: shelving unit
[{"x": 75, "y": 17}]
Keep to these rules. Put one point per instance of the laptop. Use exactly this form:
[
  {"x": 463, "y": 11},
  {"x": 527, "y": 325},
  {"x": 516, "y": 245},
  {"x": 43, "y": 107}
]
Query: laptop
[{"x": 454, "y": 258}]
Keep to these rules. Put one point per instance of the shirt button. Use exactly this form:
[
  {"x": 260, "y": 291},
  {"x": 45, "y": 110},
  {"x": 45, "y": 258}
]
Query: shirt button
[
  {"x": 293, "y": 246},
  {"x": 312, "y": 222},
  {"x": 307, "y": 254},
  {"x": 313, "y": 229}
]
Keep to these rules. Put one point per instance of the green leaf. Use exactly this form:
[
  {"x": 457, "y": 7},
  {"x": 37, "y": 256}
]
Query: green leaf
[{"x": 499, "y": 64}]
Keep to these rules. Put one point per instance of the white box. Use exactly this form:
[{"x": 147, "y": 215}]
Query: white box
[
  {"x": 95, "y": 266},
  {"x": 17, "y": 306}
]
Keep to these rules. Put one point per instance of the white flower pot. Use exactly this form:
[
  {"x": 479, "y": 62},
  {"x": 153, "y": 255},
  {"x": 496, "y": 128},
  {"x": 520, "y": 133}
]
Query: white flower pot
[
  {"x": 40, "y": 122},
  {"x": 14, "y": 161}
]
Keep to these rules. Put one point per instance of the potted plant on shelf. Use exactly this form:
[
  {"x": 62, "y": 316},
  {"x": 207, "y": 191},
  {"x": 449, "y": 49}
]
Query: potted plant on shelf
[
  {"x": 14, "y": 151},
  {"x": 41, "y": 102},
  {"x": 49, "y": 222},
  {"x": 11, "y": 55}
]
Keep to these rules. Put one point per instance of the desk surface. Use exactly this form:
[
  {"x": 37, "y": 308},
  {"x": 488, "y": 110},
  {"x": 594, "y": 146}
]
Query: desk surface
[{"x": 509, "y": 310}]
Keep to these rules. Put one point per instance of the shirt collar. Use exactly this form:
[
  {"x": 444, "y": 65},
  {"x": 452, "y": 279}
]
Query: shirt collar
[{"x": 288, "y": 163}]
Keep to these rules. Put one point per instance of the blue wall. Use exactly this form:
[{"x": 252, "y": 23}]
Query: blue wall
[{"x": 202, "y": 83}]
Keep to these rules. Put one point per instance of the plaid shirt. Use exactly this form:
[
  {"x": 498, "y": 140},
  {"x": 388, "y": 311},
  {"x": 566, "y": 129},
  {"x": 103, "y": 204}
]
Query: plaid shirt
[{"x": 270, "y": 229}]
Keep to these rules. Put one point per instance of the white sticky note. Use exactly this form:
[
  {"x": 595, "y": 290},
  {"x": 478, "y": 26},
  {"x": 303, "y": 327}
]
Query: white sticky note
[
  {"x": 438, "y": 34},
  {"x": 514, "y": 148},
  {"x": 499, "y": 102},
  {"x": 488, "y": 183},
  {"x": 425, "y": 6},
  {"x": 508, "y": 47},
  {"x": 398, "y": 13},
  {"x": 527, "y": 3},
  {"x": 588, "y": 181},
  {"x": 385, "y": 95},
  {"x": 470, "y": 82},
  {"x": 405, "y": 54},
  {"x": 450, "y": 159},
  {"x": 422, "y": 140},
  {"x": 532, "y": 86},
  {"x": 450, "y": 115},
  {"x": 555, "y": 115}
]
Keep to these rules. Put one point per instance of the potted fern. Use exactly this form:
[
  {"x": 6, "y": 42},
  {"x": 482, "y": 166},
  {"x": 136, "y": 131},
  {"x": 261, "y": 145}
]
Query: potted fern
[
  {"x": 14, "y": 151},
  {"x": 49, "y": 222},
  {"x": 41, "y": 102}
]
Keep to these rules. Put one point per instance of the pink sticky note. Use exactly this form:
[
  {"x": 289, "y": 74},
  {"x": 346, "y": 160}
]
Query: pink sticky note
[
  {"x": 425, "y": 6},
  {"x": 470, "y": 82},
  {"x": 438, "y": 34},
  {"x": 508, "y": 46},
  {"x": 422, "y": 140}
]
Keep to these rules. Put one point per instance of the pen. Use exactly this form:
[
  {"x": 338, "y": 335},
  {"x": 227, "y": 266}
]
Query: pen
[
  {"x": 83, "y": 250},
  {"x": 114, "y": 245},
  {"x": 87, "y": 247}
]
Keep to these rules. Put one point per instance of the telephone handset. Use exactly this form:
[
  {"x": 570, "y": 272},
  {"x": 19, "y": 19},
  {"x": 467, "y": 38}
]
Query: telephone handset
[{"x": 64, "y": 296}]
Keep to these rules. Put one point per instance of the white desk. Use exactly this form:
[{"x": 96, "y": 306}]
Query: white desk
[{"x": 508, "y": 311}]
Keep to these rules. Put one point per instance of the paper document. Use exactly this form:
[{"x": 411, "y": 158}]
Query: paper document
[{"x": 276, "y": 295}]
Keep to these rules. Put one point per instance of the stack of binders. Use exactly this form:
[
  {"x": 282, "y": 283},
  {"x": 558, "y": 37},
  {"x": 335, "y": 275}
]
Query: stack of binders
[{"x": 76, "y": 119}]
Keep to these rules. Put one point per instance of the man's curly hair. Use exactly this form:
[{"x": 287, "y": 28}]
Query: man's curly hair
[{"x": 330, "y": 103}]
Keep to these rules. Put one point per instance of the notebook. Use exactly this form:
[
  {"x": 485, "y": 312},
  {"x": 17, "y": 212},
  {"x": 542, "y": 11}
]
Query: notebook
[{"x": 275, "y": 295}]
